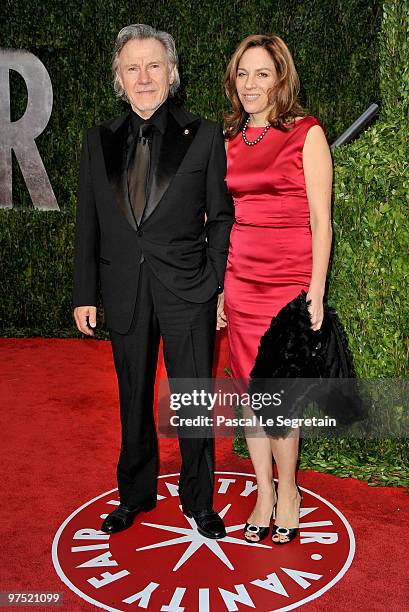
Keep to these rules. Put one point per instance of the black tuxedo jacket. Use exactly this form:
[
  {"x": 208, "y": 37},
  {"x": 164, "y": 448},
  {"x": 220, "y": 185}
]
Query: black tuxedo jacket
[{"x": 186, "y": 254}]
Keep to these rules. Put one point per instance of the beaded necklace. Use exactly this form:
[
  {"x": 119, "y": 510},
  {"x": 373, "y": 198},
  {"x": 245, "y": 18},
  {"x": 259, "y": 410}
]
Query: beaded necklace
[{"x": 251, "y": 143}]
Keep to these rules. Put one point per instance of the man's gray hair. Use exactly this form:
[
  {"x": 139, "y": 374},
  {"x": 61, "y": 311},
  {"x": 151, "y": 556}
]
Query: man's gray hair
[{"x": 140, "y": 31}]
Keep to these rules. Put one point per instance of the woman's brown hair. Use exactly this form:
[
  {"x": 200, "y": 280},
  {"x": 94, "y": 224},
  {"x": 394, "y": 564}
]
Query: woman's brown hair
[{"x": 283, "y": 96}]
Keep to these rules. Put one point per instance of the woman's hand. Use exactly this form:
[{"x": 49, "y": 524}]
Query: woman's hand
[
  {"x": 316, "y": 309},
  {"x": 221, "y": 316}
]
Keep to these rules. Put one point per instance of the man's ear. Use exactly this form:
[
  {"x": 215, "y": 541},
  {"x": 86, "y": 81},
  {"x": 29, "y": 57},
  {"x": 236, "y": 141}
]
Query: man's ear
[
  {"x": 118, "y": 76},
  {"x": 172, "y": 74}
]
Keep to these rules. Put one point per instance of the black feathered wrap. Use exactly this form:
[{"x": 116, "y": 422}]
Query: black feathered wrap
[{"x": 291, "y": 350}]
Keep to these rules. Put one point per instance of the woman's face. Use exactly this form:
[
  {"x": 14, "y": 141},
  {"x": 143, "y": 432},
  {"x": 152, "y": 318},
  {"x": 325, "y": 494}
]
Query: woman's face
[{"x": 256, "y": 75}]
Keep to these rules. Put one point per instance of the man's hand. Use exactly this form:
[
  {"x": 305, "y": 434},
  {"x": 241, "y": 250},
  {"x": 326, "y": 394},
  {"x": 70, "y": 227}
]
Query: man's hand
[
  {"x": 221, "y": 316},
  {"x": 86, "y": 318}
]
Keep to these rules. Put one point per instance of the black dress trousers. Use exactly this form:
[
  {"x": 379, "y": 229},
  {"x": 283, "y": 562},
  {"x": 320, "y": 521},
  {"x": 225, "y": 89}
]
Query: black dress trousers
[{"x": 188, "y": 334}]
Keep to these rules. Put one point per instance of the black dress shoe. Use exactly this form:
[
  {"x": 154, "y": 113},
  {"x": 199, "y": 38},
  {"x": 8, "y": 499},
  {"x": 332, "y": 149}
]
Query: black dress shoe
[
  {"x": 209, "y": 524},
  {"x": 123, "y": 516}
]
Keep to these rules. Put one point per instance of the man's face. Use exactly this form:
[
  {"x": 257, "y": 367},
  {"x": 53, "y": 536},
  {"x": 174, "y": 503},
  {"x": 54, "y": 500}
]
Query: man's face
[{"x": 145, "y": 74}]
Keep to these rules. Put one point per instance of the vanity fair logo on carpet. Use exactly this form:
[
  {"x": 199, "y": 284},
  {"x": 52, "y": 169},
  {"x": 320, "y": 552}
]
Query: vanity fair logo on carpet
[{"x": 163, "y": 563}]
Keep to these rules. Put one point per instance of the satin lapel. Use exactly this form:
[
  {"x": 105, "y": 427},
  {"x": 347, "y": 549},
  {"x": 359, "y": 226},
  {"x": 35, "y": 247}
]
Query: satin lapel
[
  {"x": 166, "y": 159},
  {"x": 115, "y": 146}
]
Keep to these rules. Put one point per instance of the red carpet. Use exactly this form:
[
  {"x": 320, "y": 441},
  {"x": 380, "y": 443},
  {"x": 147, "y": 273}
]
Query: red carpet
[{"x": 60, "y": 438}]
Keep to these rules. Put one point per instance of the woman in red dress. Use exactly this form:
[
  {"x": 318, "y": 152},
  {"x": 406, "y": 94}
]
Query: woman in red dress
[{"x": 279, "y": 172}]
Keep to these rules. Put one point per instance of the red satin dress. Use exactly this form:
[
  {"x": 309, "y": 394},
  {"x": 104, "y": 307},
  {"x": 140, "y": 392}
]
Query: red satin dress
[{"x": 270, "y": 253}]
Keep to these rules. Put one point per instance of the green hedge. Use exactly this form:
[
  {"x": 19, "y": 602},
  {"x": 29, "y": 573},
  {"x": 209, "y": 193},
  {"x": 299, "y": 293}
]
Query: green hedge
[{"x": 368, "y": 280}]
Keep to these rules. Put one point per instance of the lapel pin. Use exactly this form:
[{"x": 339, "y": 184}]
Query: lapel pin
[{"x": 186, "y": 132}]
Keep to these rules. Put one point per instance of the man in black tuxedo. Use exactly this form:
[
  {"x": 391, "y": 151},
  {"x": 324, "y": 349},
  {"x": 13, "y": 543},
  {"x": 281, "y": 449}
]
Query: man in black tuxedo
[{"x": 153, "y": 223}]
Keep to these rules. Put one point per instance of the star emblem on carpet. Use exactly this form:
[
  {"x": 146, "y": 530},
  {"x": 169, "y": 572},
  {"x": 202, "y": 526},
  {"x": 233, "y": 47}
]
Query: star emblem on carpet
[{"x": 195, "y": 540}]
